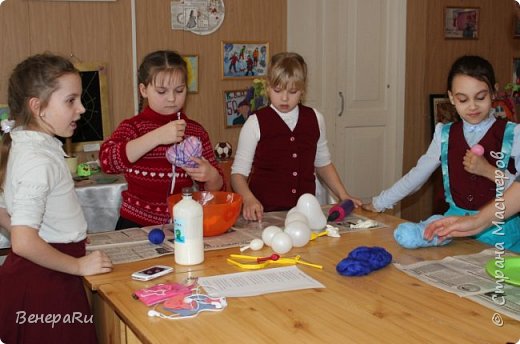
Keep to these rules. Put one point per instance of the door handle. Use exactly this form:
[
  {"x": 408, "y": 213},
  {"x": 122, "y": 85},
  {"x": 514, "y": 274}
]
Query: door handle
[{"x": 342, "y": 103}]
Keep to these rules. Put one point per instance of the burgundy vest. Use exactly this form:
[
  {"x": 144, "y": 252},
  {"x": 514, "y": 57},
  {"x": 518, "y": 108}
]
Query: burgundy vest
[
  {"x": 283, "y": 166},
  {"x": 470, "y": 191}
]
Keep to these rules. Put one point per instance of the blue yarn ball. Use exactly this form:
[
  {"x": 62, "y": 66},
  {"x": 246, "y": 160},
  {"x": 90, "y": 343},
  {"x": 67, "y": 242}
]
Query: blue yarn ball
[
  {"x": 363, "y": 260},
  {"x": 353, "y": 267},
  {"x": 411, "y": 235},
  {"x": 156, "y": 236}
]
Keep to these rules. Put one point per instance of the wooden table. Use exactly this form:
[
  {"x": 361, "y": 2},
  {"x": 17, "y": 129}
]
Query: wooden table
[{"x": 386, "y": 306}]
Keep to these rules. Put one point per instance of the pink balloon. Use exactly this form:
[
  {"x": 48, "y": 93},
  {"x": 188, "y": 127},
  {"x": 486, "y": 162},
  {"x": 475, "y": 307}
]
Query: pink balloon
[{"x": 477, "y": 150}]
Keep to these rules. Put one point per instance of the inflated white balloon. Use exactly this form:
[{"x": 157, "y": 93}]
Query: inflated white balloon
[
  {"x": 309, "y": 205},
  {"x": 269, "y": 232},
  {"x": 292, "y": 210},
  {"x": 256, "y": 244},
  {"x": 299, "y": 232},
  {"x": 295, "y": 216},
  {"x": 281, "y": 243}
]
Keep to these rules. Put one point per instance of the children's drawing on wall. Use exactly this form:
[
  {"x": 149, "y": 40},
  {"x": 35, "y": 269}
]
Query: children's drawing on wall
[
  {"x": 461, "y": 23},
  {"x": 516, "y": 70},
  {"x": 239, "y": 104},
  {"x": 4, "y": 111},
  {"x": 236, "y": 107},
  {"x": 201, "y": 17},
  {"x": 244, "y": 59},
  {"x": 192, "y": 63}
]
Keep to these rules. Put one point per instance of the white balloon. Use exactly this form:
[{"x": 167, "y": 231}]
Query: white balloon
[
  {"x": 256, "y": 244},
  {"x": 269, "y": 232},
  {"x": 292, "y": 210},
  {"x": 281, "y": 243},
  {"x": 299, "y": 232},
  {"x": 309, "y": 205},
  {"x": 295, "y": 216}
]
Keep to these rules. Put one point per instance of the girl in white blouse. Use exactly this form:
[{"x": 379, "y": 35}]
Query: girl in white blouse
[{"x": 43, "y": 297}]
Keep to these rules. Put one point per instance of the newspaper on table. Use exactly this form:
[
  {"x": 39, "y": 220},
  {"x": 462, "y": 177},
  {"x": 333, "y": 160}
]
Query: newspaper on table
[
  {"x": 243, "y": 231},
  {"x": 465, "y": 275},
  {"x": 129, "y": 245}
]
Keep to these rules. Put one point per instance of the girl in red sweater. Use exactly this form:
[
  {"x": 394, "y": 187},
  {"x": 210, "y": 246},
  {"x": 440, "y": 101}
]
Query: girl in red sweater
[{"x": 137, "y": 147}]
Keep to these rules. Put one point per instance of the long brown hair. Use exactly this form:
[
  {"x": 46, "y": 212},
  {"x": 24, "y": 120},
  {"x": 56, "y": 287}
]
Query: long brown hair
[
  {"x": 35, "y": 77},
  {"x": 159, "y": 61}
]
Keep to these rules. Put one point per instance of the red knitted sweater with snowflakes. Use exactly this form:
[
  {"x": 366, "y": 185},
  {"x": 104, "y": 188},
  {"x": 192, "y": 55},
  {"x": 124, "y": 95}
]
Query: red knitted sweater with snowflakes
[{"x": 149, "y": 178}]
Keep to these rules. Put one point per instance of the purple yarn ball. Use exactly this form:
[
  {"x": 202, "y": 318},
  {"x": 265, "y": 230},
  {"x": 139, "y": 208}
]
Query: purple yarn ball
[{"x": 180, "y": 154}]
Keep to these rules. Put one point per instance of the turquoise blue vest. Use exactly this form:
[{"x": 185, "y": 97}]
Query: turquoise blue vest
[{"x": 511, "y": 228}]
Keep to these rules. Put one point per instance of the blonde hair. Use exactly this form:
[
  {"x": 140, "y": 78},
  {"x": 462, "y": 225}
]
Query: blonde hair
[{"x": 287, "y": 69}]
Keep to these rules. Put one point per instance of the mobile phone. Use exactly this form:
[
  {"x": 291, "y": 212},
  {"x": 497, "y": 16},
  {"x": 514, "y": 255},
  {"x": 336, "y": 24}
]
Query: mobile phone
[{"x": 152, "y": 272}]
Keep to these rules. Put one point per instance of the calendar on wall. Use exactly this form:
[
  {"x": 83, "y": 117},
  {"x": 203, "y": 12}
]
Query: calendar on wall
[{"x": 201, "y": 17}]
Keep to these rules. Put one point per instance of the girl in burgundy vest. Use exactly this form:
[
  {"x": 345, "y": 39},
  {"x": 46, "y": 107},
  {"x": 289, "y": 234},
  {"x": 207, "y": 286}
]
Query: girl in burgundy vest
[
  {"x": 282, "y": 146},
  {"x": 470, "y": 180}
]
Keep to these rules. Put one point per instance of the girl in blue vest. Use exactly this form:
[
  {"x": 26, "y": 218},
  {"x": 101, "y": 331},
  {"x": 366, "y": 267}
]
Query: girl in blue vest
[
  {"x": 281, "y": 147},
  {"x": 493, "y": 213},
  {"x": 470, "y": 180}
]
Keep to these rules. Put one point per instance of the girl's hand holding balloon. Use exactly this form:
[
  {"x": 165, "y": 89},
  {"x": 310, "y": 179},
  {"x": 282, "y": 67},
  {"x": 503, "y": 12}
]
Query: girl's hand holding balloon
[
  {"x": 171, "y": 132},
  {"x": 203, "y": 172},
  {"x": 475, "y": 163}
]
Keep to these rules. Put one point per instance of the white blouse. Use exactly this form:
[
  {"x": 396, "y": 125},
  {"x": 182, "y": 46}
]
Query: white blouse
[{"x": 39, "y": 190}]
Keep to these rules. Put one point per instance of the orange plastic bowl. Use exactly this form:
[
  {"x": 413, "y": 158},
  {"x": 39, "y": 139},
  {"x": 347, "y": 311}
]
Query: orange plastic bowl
[{"x": 220, "y": 209}]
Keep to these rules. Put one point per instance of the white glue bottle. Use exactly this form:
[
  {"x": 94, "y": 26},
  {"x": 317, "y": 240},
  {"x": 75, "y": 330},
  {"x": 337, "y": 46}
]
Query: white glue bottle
[{"x": 187, "y": 225}]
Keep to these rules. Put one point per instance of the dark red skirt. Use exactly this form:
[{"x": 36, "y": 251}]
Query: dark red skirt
[{"x": 39, "y": 305}]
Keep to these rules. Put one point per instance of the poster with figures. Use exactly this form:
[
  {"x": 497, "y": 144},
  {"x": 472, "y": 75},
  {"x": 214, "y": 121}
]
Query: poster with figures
[
  {"x": 201, "y": 17},
  {"x": 244, "y": 59}
]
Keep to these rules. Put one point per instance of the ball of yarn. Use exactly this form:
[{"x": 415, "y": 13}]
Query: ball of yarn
[
  {"x": 156, "y": 236},
  {"x": 180, "y": 154},
  {"x": 363, "y": 260},
  {"x": 352, "y": 267},
  {"x": 411, "y": 235}
]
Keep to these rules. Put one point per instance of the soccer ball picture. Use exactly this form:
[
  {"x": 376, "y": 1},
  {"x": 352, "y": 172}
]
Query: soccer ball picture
[{"x": 223, "y": 150}]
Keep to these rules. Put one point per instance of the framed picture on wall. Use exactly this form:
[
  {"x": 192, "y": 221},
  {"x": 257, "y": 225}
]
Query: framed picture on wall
[
  {"x": 192, "y": 63},
  {"x": 461, "y": 23},
  {"x": 516, "y": 27},
  {"x": 4, "y": 111},
  {"x": 236, "y": 107},
  {"x": 94, "y": 124},
  {"x": 441, "y": 110},
  {"x": 244, "y": 59},
  {"x": 516, "y": 71}
]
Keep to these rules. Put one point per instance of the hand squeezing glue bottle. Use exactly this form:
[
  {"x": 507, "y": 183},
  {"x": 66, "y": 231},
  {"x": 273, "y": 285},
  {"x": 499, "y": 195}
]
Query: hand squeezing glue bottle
[{"x": 187, "y": 225}]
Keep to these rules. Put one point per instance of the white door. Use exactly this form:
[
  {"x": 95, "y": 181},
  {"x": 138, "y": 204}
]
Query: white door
[{"x": 355, "y": 50}]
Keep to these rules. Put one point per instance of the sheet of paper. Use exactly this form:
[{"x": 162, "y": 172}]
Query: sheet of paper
[{"x": 252, "y": 283}]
